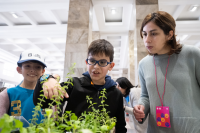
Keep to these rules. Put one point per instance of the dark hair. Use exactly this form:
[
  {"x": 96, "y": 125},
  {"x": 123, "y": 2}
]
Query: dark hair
[
  {"x": 3, "y": 88},
  {"x": 101, "y": 46},
  {"x": 167, "y": 23},
  {"x": 34, "y": 61},
  {"x": 124, "y": 83}
]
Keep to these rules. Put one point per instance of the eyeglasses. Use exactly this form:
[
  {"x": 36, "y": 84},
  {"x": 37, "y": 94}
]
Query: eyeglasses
[{"x": 101, "y": 63}]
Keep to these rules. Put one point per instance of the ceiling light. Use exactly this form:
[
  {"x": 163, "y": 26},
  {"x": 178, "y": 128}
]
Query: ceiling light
[
  {"x": 113, "y": 11},
  {"x": 193, "y": 8},
  {"x": 15, "y": 15}
]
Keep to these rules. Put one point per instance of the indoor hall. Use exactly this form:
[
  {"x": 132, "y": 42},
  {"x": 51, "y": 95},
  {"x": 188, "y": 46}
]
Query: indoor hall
[{"x": 63, "y": 30}]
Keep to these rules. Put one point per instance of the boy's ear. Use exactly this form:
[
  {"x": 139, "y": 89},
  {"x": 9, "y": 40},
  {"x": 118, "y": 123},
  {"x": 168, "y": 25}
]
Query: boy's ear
[
  {"x": 43, "y": 72},
  {"x": 111, "y": 66},
  {"x": 19, "y": 70},
  {"x": 86, "y": 62}
]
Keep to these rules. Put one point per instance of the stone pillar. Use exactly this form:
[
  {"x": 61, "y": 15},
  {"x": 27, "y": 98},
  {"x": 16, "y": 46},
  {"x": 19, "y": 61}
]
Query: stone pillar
[
  {"x": 95, "y": 35},
  {"x": 79, "y": 36},
  {"x": 131, "y": 58},
  {"x": 137, "y": 50},
  {"x": 143, "y": 7}
]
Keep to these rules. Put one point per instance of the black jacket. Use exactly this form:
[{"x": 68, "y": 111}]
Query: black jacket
[{"x": 77, "y": 102}]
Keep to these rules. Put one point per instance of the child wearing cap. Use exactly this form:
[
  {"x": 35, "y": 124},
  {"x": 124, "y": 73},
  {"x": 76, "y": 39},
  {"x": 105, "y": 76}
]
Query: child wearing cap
[
  {"x": 99, "y": 61},
  {"x": 18, "y": 101}
]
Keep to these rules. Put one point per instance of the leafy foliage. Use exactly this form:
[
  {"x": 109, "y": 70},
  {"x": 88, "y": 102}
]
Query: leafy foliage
[{"x": 8, "y": 124}]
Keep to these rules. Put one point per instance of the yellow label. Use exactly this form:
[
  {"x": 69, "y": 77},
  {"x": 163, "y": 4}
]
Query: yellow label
[{"x": 18, "y": 108}]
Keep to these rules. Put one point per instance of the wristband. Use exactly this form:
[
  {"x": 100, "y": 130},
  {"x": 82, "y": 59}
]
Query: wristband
[{"x": 45, "y": 77}]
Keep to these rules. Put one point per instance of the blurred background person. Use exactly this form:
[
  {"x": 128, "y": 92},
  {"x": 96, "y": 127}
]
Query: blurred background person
[{"x": 131, "y": 96}]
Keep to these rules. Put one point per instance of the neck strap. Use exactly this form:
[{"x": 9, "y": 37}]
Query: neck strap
[{"x": 161, "y": 100}]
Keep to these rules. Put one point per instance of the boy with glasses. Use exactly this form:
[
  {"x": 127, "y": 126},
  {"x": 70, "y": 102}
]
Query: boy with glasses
[
  {"x": 18, "y": 101},
  {"x": 99, "y": 61}
]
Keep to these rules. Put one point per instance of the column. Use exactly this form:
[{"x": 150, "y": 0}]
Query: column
[
  {"x": 95, "y": 35},
  {"x": 137, "y": 49},
  {"x": 143, "y": 7},
  {"x": 79, "y": 36},
  {"x": 131, "y": 57}
]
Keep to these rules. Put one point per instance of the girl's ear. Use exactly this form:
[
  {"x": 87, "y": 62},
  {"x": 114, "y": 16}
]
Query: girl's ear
[
  {"x": 111, "y": 66},
  {"x": 19, "y": 70},
  {"x": 171, "y": 33}
]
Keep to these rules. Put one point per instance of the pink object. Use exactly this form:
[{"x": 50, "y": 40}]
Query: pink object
[{"x": 162, "y": 116}]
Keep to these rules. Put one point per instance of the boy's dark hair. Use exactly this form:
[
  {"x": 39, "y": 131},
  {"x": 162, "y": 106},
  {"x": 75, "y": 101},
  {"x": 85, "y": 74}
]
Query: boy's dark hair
[
  {"x": 101, "y": 46},
  {"x": 20, "y": 64},
  {"x": 124, "y": 83}
]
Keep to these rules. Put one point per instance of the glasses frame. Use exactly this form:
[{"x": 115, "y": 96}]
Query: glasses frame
[{"x": 97, "y": 62}]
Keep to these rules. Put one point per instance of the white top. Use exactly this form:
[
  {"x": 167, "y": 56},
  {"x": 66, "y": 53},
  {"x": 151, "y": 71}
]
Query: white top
[{"x": 134, "y": 96}]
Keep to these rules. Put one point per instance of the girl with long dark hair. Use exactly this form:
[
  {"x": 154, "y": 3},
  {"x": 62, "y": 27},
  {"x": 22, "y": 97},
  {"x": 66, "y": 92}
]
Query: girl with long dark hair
[{"x": 131, "y": 96}]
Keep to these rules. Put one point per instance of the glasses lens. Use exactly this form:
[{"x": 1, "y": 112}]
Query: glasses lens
[
  {"x": 103, "y": 63},
  {"x": 91, "y": 61}
]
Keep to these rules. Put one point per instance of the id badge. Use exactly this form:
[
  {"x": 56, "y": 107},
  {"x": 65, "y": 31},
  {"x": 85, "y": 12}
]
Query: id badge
[{"x": 162, "y": 116}]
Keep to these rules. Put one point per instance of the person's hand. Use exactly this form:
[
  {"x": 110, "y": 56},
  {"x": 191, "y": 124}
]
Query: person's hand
[
  {"x": 138, "y": 112},
  {"x": 52, "y": 87}
]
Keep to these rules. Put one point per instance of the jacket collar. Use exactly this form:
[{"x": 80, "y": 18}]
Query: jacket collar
[{"x": 85, "y": 81}]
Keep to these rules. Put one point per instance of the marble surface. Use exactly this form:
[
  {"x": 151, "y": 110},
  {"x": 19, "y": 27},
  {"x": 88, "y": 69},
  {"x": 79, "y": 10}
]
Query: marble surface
[
  {"x": 79, "y": 34},
  {"x": 143, "y": 10},
  {"x": 78, "y": 14},
  {"x": 75, "y": 57},
  {"x": 146, "y": 2},
  {"x": 95, "y": 35},
  {"x": 131, "y": 57},
  {"x": 78, "y": 47},
  {"x": 90, "y": 24}
]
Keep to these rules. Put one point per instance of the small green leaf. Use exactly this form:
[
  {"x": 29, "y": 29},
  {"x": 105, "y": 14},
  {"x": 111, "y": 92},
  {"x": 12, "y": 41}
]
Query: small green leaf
[
  {"x": 73, "y": 117},
  {"x": 18, "y": 124}
]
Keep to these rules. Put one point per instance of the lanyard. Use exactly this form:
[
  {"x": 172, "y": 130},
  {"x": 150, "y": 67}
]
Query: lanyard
[{"x": 161, "y": 100}]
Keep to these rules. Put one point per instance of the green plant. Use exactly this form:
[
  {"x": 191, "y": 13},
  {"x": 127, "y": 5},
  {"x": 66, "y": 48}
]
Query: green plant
[{"x": 9, "y": 124}]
